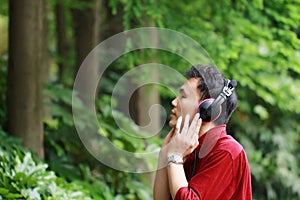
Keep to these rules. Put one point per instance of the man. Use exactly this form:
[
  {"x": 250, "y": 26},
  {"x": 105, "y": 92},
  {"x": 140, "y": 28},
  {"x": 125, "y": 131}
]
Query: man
[{"x": 198, "y": 160}]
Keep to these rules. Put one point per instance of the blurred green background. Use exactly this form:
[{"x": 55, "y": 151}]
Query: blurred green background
[{"x": 43, "y": 43}]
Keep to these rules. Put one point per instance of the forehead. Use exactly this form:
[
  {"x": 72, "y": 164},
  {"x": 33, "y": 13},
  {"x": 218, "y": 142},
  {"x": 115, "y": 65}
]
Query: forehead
[{"x": 190, "y": 86}]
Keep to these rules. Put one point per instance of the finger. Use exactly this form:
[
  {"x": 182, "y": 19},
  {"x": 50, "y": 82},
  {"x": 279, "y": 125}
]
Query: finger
[
  {"x": 172, "y": 131},
  {"x": 198, "y": 126},
  {"x": 199, "y": 123},
  {"x": 193, "y": 124},
  {"x": 193, "y": 147},
  {"x": 186, "y": 124},
  {"x": 170, "y": 134},
  {"x": 194, "y": 133},
  {"x": 196, "y": 143},
  {"x": 178, "y": 124}
]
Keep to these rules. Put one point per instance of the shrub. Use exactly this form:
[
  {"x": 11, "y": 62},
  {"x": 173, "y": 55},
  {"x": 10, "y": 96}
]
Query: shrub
[{"x": 23, "y": 175}]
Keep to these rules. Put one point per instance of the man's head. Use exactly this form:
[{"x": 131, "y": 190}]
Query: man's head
[{"x": 203, "y": 82}]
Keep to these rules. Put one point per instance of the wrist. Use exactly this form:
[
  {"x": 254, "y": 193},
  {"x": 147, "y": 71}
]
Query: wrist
[
  {"x": 174, "y": 158},
  {"x": 162, "y": 158}
]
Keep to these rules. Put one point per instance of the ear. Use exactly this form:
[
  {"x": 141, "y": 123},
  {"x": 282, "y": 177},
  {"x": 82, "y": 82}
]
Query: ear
[{"x": 209, "y": 113}]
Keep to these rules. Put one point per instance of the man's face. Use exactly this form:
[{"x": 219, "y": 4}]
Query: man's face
[{"x": 186, "y": 102}]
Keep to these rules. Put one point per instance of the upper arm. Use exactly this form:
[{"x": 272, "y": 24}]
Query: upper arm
[{"x": 186, "y": 193}]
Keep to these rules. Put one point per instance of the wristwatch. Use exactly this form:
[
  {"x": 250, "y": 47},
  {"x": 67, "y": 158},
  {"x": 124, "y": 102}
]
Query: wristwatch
[{"x": 175, "y": 158}]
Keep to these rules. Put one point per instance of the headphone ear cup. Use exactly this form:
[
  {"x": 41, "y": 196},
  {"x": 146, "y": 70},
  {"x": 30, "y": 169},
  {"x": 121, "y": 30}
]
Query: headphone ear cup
[{"x": 207, "y": 113}]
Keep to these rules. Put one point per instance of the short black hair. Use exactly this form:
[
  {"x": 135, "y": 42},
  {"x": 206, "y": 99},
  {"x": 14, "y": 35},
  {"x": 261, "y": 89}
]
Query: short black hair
[{"x": 210, "y": 85}]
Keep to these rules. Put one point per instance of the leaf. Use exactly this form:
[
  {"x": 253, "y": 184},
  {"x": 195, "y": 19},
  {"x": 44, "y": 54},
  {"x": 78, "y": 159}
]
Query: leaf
[
  {"x": 13, "y": 196},
  {"x": 261, "y": 111},
  {"x": 52, "y": 123},
  {"x": 3, "y": 191}
]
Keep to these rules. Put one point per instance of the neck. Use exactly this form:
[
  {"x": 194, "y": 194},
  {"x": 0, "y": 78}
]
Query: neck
[{"x": 206, "y": 126}]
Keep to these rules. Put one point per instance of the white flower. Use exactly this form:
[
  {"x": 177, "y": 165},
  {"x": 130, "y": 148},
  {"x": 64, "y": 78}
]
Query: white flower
[{"x": 32, "y": 194}]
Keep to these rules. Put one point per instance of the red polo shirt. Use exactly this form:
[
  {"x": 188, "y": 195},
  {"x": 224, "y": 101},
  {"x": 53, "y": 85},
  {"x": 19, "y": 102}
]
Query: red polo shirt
[{"x": 220, "y": 170}]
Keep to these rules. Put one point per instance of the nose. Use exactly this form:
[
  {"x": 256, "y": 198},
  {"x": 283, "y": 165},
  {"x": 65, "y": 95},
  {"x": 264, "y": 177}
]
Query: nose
[{"x": 174, "y": 102}]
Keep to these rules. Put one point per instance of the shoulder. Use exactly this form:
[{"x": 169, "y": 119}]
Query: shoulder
[
  {"x": 217, "y": 142},
  {"x": 228, "y": 144}
]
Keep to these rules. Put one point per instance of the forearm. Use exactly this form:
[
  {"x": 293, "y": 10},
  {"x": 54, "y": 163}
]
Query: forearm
[
  {"x": 161, "y": 184},
  {"x": 176, "y": 178}
]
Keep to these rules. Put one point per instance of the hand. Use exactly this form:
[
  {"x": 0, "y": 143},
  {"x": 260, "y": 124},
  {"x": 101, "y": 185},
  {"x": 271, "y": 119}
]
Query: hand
[
  {"x": 185, "y": 141},
  {"x": 162, "y": 159},
  {"x": 168, "y": 137}
]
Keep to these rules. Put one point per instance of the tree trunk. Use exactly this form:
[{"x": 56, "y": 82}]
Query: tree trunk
[
  {"x": 63, "y": 44},
  {"x": 147, "y": 97},
  {"x": 149, "y": 94},
  {"x": 86, "y": 29},
  {"x": 112, "y": 23},
  {"x": 45, "y": 67},
  {"x": 24, "y": 92}
]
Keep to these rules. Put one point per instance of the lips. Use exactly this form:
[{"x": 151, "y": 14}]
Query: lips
[{"x": 173, "y": 112}]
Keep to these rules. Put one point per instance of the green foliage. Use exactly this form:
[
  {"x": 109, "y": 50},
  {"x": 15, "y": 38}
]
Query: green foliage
[
  {"x": 70, "y": 160},
  {"x": 138, "y": 13},
  {"x": 4, "y": 7},
  {"x": 24, "y": 176},
  {"x": 275, "y": 167},
  {"x": 256, "y": 43},
  {"x": 74, "y": 4}
]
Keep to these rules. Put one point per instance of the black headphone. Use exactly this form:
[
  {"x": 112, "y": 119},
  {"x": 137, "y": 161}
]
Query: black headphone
[{"x": 210, "y": 109}]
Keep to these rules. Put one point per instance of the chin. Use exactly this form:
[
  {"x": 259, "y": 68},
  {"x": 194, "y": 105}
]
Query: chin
[{"x": 172, "y": 123}]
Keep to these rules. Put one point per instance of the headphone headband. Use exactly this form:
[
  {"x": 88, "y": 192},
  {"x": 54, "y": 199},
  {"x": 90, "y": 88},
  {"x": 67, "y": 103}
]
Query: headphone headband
[{"x": 226, "y": 92}]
